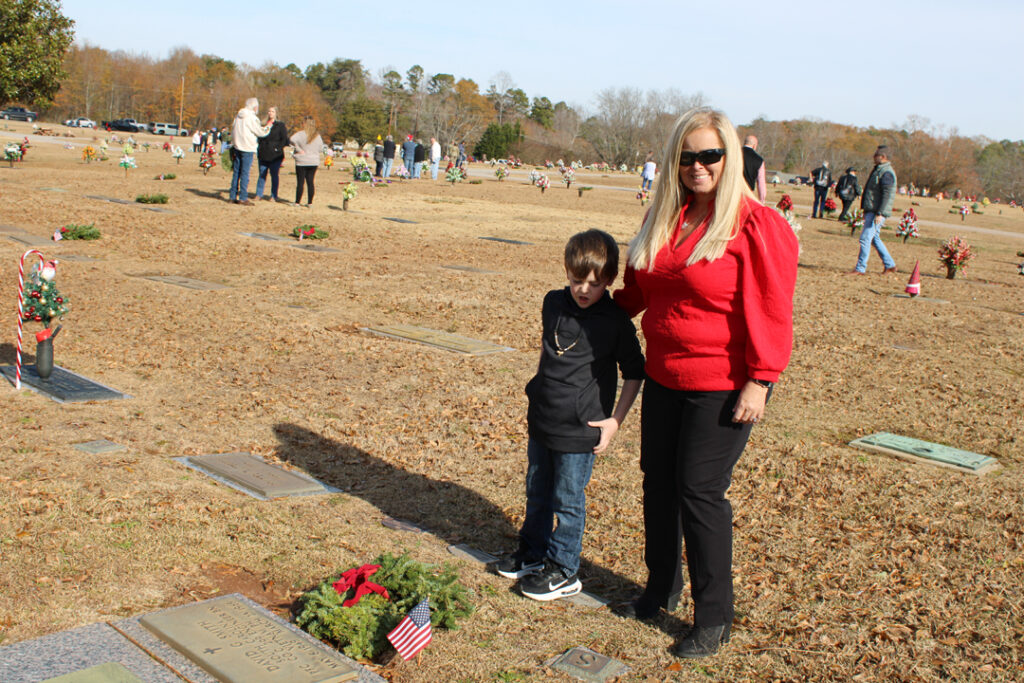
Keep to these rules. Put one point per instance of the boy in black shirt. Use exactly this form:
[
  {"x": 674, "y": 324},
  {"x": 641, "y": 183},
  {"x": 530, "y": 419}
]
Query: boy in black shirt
[{"x": 586, "y": 335}]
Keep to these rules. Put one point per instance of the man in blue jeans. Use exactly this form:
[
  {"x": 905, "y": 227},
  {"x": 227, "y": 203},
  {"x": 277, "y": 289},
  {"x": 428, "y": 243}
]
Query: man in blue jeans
[
  {"x": 408, "y": 153},
  {"x": 245, "y": 134},
  {"x": 876, "y": 202}
]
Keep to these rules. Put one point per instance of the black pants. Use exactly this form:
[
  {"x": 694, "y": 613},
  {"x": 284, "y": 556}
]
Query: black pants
[
  {"x": 379, "y": 168},
  {"x": 818, "y": 208},
  {"x": 304, "y": 174},
  {"x": 846, "y": 207},
  {"x": 688, "y": 448}
]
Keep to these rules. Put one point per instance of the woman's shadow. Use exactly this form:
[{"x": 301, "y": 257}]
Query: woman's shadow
[{"x": 450, "y": 511}]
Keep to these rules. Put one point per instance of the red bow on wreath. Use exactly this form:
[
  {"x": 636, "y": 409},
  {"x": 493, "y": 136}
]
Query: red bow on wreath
[{"x": 359, "y": 580}]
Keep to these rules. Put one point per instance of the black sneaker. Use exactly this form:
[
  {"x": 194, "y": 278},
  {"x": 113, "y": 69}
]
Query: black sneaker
[
  {"x": 550, "y": 583},
  {"x": 517, "y": 565}
]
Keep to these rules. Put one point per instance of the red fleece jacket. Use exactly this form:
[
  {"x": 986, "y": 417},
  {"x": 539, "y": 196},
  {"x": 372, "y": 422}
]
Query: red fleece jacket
[{"x": 711, "y": 326}]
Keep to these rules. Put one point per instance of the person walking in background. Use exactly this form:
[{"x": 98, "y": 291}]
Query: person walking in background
[
  {"x": 647, "y": 174},
  {"x": 876, "y": 203},
  {"x": 307, "y": 143},
  {"x": 452, "y": 152},
  {"x": 435, "y": 157},
  {"x": 270, "y": 155},
  {"x": 389, "y": 156},
  {"x": 462, "y": 155},
  {"x": 378, "y": 158},
  {"x": 821, "y": 178},
  {"x": 409, "y": 154},
  {"x": 245, "y": 134},
  {"x": 847, "y": 189},
  {"x": 419, "y": 155},
  {"x": 753, "y": 168},
  {"x": 715, "y": 271},
  {"x": 197, "y": 140}
]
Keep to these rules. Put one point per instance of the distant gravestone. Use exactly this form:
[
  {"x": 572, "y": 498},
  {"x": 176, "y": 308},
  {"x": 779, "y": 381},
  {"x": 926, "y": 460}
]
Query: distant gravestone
[
  {"x": 506, "y": 241},
  {"x": 398, "y": 220},
  {"x": 53, "y": 189},
  {"x": 317, "y": 248},
  {"x": 185, "y": 282},
  {"x": 402, "y": 525},
  {"x": 100, "y": 446},
  {"x": 76, "y": 257},
  {"x": 237, "y": 644},
  {"x": 266, "y": 236},
  {"x": 255, "y": 476},
  {"x": 111, "y": 672},
  {"x": 584, "y": 664},
  {"x": 26, "y": 238},
  {"x": 63, "y": 385},
  {"x": 472, "y": 554},
  {"x": 437, "y": 339},
  {"x": 927, "y": 452}
]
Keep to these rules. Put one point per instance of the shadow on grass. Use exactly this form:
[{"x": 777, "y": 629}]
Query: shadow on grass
[
  {"x": 216, "y": 194},
  {"x": 8, "y": 352},
  {"x": 450, "y": 511}
]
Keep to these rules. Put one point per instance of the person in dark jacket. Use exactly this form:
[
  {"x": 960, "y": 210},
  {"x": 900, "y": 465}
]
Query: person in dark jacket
[
  {"x": 389, "y": 156},
  {"x": 570, "y": 416},
  {"x": 753, "y": 168},
  {"x": 876, "y": 203},
  {"x": 847, "y": 189},
  {"x": 409, "y": 154},
  {"x": 821, "y": 178},
  {"x": 419, "y": 155},
  {"x": 378, "y": 157},
  {"x": 270, "y": 154}
]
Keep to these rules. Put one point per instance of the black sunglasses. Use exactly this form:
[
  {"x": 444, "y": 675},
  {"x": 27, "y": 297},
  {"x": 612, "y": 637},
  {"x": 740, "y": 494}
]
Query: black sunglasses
[{"x": 706, "y": 157}]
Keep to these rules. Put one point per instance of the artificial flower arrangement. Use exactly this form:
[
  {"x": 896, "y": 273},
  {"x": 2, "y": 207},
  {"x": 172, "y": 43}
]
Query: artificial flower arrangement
[
  {"x": 402, "y": 172},
  {"x": 41, "y": 301},
  {"x": 542, "y": 182},
  {"x": 178, "y": 153},
  {"x": 328, "y": 161},
  {"x": 454, "y": 175},
  {"x": 165, "y": 176},
  {"x": 568, "y": 176},
  {"x": 126, "y": 163},
  {"x": 361, "y": 170},
  {"x": 855, "y": 221},
  {"x": 908, "y": 225},
  {"x": 208, "y": 160},
  {"x": 785, "y": 208},
  {"x": 89, "y": 154},
  {"x": 830, "y": 206},
  {"x": 356, "y": 609},
  {"x": 12, "y": 152},
  {"x": 501, "y": 172},
  {"x": 534, "y": 176},
  {"x": 644, "y": 196},
  {"x": 955, "y": 253},
  {"x": 76, "y": 232},
  {"x": 311, "y": 232}
]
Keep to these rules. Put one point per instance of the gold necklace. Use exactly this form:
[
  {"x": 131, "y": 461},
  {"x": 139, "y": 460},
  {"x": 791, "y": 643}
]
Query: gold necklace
[{"x": 558, "y": 347}]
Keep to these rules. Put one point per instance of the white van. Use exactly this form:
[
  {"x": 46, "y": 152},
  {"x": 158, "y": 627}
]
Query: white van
[{"x": 168, "y": 129}]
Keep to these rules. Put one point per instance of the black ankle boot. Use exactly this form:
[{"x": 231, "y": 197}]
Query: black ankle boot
[
  {"x": 646, "y": 607},
  {"x": 702, "y": 641}
]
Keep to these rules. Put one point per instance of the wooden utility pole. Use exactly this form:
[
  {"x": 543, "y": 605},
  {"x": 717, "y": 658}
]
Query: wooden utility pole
[{"x": 181, "y": 105}]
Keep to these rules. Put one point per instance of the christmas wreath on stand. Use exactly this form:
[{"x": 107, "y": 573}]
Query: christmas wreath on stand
[{"x": 355, "y": 613}]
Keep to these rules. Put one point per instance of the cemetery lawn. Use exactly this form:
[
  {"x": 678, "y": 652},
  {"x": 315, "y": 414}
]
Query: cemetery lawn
[{"x": 848, "y": 564}]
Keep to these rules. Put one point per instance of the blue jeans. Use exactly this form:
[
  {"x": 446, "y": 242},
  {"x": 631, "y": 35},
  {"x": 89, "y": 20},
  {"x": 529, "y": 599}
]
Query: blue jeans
[
  {"x": 417, "y": 167},
  {"x": 386, "y": 171},
  {"x": 645, "y": 183},
  {"x": 818, "y": 208},
  {"x": 433, "y": 169},
  {"x": 869, "y": 235},
  {"x": 555, "y": 484},
  {"x": 273, "y": 168},
  {"x": 241, "y": 163},
  {"x": 408, "y": 165}
]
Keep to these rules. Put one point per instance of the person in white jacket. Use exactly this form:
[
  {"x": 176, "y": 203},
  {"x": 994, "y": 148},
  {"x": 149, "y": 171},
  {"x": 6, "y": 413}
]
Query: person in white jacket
[
  {"x": 435, "y": 157},
  {"x": 245, "y": 134}
]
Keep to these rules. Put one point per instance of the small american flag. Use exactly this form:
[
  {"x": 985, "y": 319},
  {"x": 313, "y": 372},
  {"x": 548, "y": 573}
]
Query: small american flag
[{"x": 412, "y": 633}]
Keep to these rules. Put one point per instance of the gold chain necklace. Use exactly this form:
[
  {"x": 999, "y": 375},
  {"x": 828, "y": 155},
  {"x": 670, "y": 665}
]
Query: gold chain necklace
[{"x": 558, "y": 346}]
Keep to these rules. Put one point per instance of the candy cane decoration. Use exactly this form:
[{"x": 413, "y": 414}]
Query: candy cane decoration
[{"x": 21, "y": 313}]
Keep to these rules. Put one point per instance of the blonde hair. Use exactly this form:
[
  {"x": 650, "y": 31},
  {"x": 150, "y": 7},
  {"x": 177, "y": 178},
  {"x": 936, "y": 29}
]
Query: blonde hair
[
  {"x": 670, "y": 194},
  {"x": 309, "y": 126}
]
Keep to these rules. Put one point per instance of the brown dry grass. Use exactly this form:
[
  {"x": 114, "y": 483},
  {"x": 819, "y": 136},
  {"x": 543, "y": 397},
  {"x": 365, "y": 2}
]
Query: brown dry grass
[{"x": 848, "y": 565}]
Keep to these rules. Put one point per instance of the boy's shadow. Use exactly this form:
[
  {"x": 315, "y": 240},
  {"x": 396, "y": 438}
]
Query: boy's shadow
[
  {"x": 450, "y": 511},
  {"x": 216, "y": 194},
  {"x": 8, "y": 352}
]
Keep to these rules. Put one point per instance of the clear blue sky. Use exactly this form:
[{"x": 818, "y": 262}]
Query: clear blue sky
[{"x": 864, "y": 63}]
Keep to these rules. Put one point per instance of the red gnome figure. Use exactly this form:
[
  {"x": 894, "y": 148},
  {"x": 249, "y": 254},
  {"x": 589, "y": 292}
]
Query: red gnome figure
[{"x": 914, "y": 284}]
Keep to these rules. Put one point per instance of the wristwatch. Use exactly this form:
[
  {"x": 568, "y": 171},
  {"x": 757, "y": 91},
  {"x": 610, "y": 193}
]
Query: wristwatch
[{"x": 763, "y": 383}]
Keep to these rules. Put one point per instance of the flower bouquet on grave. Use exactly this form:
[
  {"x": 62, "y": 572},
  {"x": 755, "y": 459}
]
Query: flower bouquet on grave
[
  {"x": 785, "y": 209},
  {"x": 356, "y": 609},
  {"x": 402, "y": 172},
  {"x": 908, "y": 225},
  {"x": 12, "y": 152},
  {"x": 42, "y": 302},
  {"x": 177, "y": 154},
  {"x": 361, "y": 170},
  {"x": 24, "y": 147},
  {"x": 534, "y": 176},
  {"x": 542, "y": 182},
  {"x": 126, "y": 163},
  {"x": 76, "y": 232},
  {"x": 348, "y": 192},
  {"x": 208, "y": 160},
  {"x": 644, "y": 196},
  {"x": 955, "y": 253},
  {"x": 830, "y": 207},
  {"x": 166, "y": 146},
  {"x": 501, "y": 173},
  {"x": 328, "y": 161},
  {"x": 568, "y": 176},
  {"x": 855, "y": 221},
  {"x": 146, "y": 145},
  {"x": 454, "y": 175},
  {"x": 310, "y": 232},
  {"x": 89, "y": 154}
]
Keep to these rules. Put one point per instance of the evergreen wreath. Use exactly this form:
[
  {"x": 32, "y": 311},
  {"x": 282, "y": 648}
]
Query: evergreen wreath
[
  {"x": 151, "y": 199},
  {"x": 72, "y": 231},
  {"x": 310, "y": 232},
  {"x": 360, "y": 630}
]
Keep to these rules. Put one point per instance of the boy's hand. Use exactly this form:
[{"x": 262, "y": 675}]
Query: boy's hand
[{"x": 608, "y": 427}]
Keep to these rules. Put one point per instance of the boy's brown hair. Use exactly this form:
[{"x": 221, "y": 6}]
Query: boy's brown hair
[{"x": 592, "y": 251}]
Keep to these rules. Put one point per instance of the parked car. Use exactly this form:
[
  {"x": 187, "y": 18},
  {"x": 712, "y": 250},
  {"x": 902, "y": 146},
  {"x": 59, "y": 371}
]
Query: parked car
[
  {"x": 168, "y": 129},
  {"x": 80, "y": 122},
  {"x": 338, "y": 147},
  {"x": 19, "y": 114},
  {"x": 127, "y": 125}
]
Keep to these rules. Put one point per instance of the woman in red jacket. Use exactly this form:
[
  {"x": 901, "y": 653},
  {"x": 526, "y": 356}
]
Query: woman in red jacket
[{"x": 715, "y": 271}]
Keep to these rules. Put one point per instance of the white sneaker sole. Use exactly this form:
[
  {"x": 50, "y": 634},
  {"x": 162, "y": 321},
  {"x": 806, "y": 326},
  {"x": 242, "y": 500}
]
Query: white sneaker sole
[
  {"x": 563, "y": 592},
  {"x": 525, "y": 571}
]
